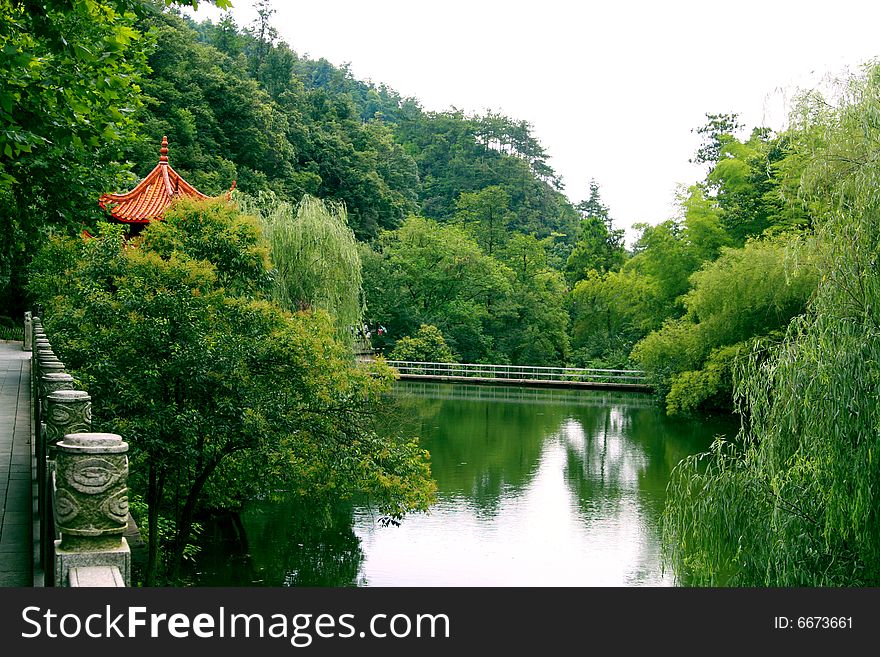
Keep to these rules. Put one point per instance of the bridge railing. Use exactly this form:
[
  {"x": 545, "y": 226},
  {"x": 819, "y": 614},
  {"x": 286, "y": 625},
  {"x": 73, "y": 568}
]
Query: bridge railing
[
  {"x": 524, "y": 394},
  {"x": 519, "y": 372}
]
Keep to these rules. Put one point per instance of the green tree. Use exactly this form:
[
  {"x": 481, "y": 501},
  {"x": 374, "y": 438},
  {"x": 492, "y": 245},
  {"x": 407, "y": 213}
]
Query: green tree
[
  {"x": 530, "y": 326},
  {"x": 69, "y": 84},
  {"x": 250, "y": 115},
  {"x": 426, "y": 346},
  {"x": 342, "y": 151},
  {"x": 671, "y": 251},
  {"x": 718, "y": 131},
  {"x": 458, "y": 153},
  {"x": 748, "y": 181},
  {"x": 609, "y": 313},
  {"x": 599, "y": 245},
  {"x": 703, "y": 230},
  {"x": 70, "y": 76},
  {"x": 224, "y": 36},
  {"x": 315, "y": 257},
  {"x": 663, "y": 256},
  {"x": 428, "y": 273},
  {"x": 220, "y": 393},
  {"x": 486, "y": 215},
  {"x": 264, "y": 35},
  {"x": 222, "y": 127},
  {"x": 793, "y": 502},
  {"x": 746, "y": 294}
]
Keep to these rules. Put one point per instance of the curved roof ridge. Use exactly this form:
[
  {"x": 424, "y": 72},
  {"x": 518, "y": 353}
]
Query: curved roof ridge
[{"x": 149, "y": 199}]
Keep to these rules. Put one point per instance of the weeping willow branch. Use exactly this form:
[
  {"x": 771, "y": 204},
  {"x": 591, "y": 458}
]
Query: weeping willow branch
[
  {"x": 795, "y": 501},
  {"x": 315, "y": 257}
]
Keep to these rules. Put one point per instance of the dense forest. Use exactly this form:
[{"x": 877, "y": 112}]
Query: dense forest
[
  {"x": 455, "y": 236},
  {"x": 463, "y": 226}
]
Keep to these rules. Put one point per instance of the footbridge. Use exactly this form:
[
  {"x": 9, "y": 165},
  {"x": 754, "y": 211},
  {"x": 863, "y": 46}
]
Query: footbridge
[{"x": 523, "y": 375}]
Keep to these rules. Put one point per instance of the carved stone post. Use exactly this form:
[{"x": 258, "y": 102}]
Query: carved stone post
[
  {"x": 39, "y": 332},
  {"x": 91, "y": 504},
  {"x": 52, "y": 381},
  {"x": 46, "y": 358},
  {"x": 45, "y": 365},
  {"x": 43, "y": 351},
  {"x": 49, "y": 382},
  {"x": 28, "y": 331},
  {"x": 67, "y": 411},
  {"x": 43, "y": 360}
]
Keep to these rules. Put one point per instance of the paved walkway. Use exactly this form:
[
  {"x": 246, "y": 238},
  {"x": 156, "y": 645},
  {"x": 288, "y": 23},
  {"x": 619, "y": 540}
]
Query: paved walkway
[{"x": 16, "y": 499}]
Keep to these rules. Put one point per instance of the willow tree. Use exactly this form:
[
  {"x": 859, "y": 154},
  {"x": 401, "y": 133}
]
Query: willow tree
[
  {"x": 315, "y": 257},
  {"x": 796, "y": 499}
]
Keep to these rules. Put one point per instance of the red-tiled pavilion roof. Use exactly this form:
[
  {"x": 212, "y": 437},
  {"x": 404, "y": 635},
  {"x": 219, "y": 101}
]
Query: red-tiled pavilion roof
[{"x": 149, "y": 199}]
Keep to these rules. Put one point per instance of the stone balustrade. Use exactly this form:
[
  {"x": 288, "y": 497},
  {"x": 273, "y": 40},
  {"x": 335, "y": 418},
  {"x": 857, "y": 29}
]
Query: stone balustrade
[{"x": 81, "y": 478}]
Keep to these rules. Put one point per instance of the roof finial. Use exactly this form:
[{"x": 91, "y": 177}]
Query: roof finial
[{"x": 163, "y": 153}]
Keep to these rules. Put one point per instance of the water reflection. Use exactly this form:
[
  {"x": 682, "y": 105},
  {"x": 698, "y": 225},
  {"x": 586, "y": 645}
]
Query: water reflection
[
  {"x": 289, "y": 543},
  {"x": 536, "y": 487}
]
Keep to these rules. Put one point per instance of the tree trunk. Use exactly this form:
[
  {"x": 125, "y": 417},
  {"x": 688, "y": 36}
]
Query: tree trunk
[
  {"x": 154, "y": 497},
  {"x": 185, "y": 521}
]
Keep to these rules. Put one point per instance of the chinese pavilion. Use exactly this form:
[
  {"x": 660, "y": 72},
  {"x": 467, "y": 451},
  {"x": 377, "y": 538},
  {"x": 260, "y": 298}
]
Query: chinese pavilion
[{"x": 150, "y": 197}]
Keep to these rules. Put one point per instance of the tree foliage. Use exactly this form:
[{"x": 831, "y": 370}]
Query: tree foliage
[
  {"x": 609, "y": 314},
  {"x": 315, "y": 258},
  {"x": 234, "y": 107},
  {"x": 530, "y": 326},
  {"x": 745, "y": 294},
  {"x": 70, "y": 74},
  {"x": 793, "y": 502},
  {"x": 717, "y": 132},
  {"x": 485, "y": 215},
  {"x": 599, "y": 245},
  {"x": 220, "y": 393},
  {"x": 426, "y": 346},
  {"x": 428, "y": 273},
  {"x": 458, "y": 153}
]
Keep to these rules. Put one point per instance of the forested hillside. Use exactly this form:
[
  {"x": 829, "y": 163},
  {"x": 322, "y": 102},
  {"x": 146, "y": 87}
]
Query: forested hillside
[{"x": 462, "y": 224}]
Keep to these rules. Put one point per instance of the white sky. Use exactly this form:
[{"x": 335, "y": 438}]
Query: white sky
[{"x": 612, "y": 89}]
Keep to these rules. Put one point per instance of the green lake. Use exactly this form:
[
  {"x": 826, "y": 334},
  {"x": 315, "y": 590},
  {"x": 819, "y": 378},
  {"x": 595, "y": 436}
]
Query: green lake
[{"x": 536, "y": 487}]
